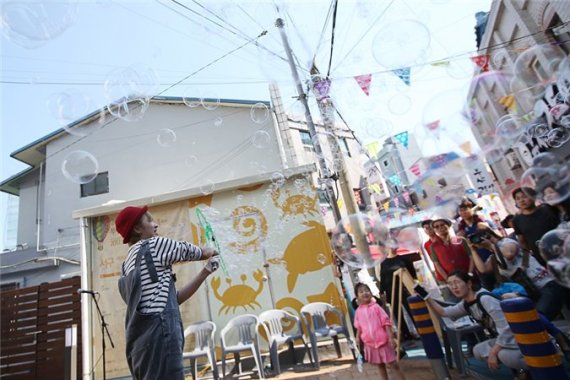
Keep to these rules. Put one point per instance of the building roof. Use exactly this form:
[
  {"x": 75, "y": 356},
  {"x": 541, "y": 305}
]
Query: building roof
[{"x": 34, "y": 153}]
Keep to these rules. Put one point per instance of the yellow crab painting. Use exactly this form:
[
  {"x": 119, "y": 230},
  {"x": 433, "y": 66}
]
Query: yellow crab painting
[
  {"x": 240, "y": 295},
  {"x": 297, "y": 204}
]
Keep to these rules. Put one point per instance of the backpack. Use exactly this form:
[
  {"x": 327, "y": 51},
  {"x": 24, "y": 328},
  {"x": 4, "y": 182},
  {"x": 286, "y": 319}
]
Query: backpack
[{"x": 486, "y": 320}]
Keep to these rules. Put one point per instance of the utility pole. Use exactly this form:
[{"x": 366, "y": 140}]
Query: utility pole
[{"x": 312, "y": 130}]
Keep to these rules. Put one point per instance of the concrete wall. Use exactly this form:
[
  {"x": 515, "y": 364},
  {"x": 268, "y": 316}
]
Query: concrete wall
[{"x": 138, "y": 166}]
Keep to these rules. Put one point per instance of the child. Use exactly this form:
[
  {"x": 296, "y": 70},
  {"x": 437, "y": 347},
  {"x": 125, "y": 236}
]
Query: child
[{"x": 374, "y": 330}]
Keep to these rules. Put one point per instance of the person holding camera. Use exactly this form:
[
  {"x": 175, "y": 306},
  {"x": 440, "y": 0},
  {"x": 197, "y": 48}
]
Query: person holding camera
[
  {"x": 467, "y": 210},
  {"x": 519, "y": 266}
]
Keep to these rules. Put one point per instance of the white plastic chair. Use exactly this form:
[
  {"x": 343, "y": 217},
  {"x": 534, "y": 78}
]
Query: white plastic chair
[
  {"x": 273, "y": 322},
  {"x": 314, "y": 316},
  {"x": 203, "y": 333},
  {"x": 247, "y": 327}
]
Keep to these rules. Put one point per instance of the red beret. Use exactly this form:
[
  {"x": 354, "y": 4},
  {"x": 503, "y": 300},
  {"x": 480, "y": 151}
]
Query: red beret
[{"x": 127, "y": 219}]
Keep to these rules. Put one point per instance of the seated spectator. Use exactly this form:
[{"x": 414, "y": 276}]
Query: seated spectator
[{"x": 486, "y": 310}]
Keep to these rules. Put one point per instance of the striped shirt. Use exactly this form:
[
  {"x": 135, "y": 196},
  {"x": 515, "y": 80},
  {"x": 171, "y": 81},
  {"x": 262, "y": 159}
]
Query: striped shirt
[{"x": 165, "y": 252}]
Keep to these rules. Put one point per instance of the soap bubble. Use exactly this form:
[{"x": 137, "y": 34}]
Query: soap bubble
[
  {"x": 558, "y": 137},
  {"x": 218, "y": 121},
  {"x": 399, "y": 104},
  {"x": 554, "y": 248},
  {"x": 277, "y": 179},
  {"x": 375, "y": 128},
  {"x": 551, "y": 184},
  {"x": 401, "y": 43},
  {"x": 209, "y": 99},
  {"x": 261, "y": 139},
  {"x": 190, "y": 160},
  {"x": 534, "y": 69},
  {"x": 207, "y": 187},
  {"x": 259, "y": 113},
  {"x": 357, "y": 240},
  {"x": 32, "y": 24},
  {"x": 509, "y": 128},
  {"x": 409, "y": 238},
  {"x": 128, "y": 109},
  {"x": 69, "y": 106},
  {"x": 166, "y": 138},
  {"x": 80, "y": 167}
]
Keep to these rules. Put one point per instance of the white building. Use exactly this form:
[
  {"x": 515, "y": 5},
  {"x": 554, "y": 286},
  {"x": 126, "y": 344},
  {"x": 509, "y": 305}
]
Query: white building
[{"x": 524, "y": 41}]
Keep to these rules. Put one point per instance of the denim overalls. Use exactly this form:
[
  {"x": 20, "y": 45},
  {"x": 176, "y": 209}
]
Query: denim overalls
[{"x": 154, "y": 342}]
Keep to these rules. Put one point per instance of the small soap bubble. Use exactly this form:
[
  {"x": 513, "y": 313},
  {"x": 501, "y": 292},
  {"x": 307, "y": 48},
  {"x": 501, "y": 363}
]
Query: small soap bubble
[
  {"x": 80, "y": 167},
  {"x": 166, "y": 138},
  {"x": 261, "y": 139},
  {"x": 259, "y": 113}
]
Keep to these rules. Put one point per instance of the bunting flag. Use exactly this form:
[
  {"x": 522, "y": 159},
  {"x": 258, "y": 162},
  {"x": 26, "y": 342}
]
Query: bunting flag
[
  {"x": 466, "y": 147},
  {"x": 403, "y": 74},
  {"x": 339, "y": 203},
  {"x": 433, "y": 125},
  {"x": 386, "y": 206},
  {"x": 402, "y": 138},
  {"x": 373, "y": 148},
  {"x": 395, "y": 180},
  {"x": 364, "y": 82},
  {"x": 396, "y": 202},
  {"x": 374, "y": 188},
  {"x": 322, "y": 88},
  {"x": 406, "y": 196},
  {"x": 440, "y": 63},
  {"x": 482, "y": 61},
  {"x": 509, "y": 102},
  {"x": 415, "y": 169}
]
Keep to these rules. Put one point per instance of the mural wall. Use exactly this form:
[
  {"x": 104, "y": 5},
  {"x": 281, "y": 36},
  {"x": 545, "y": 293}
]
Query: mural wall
[{"x": 274, "y": 246}]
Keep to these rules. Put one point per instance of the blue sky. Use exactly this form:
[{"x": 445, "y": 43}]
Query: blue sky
[{"x": 82, "y": 43}]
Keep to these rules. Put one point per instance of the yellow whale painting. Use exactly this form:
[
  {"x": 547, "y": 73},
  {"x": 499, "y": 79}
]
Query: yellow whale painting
[{"x": 307, "y": 252}]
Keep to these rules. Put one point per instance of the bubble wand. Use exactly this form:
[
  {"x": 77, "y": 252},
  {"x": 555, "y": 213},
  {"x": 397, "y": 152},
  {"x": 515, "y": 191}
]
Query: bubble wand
[{"x": 210, "y": 237}]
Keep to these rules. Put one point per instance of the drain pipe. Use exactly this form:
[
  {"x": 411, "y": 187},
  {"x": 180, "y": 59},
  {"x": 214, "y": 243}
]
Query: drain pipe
[
  {"x": 38, "y": 208},
  {"x": 86, "y": 320}
]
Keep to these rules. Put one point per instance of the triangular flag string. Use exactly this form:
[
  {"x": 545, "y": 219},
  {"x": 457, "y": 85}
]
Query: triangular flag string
[
  {"x": 402, "y": 138},
  {"x": 403, "y": 74},
  {"x": 482, "y": 61},
  {"x": 364, "y": 81}
]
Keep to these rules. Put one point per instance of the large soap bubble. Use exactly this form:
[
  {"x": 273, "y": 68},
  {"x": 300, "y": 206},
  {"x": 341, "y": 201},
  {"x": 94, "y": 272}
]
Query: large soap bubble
[
  {"x": 32, "y": 24},
  {"x": 80, "y": 167},
  {"x": 547, "y": 180},
  {"x": 554, "y": 247},
  {"x": 401, "y": 43},
  {"x": 359, "y": 240},
  {"x": 69, "y": 106}
]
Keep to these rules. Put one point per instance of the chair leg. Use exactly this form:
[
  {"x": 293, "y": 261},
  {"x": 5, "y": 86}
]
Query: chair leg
[
  {"x": 193, "y": 368},
  {"x": 337, "y": 346},
  {"x": 292, "y": 352},
  {"x": 308, "y": 352},
  {"x": 314, "y": 347},
  {"x": 223, "y": 365},
  {"x": 352, "y": 346},
  {"x": 274, "y": 358},
  {"x": 213, "y": 364},
  {"x": 258, "y": 361},
  {"x": 237, "y": 358}
]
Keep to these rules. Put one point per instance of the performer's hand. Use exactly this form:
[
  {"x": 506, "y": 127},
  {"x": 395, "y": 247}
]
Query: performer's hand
[
  {"x": 213, "y": 264},
  {"x": 208, "y": 252}
]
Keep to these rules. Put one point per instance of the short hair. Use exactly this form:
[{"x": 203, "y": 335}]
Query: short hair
[
  {"x": 466, "y": 203},
  {"x": 360, "y": 285},
  {"x": 505, "y": 222},
  {"x": 525, "y": 190},
  {"x": 426, "y": 222}
]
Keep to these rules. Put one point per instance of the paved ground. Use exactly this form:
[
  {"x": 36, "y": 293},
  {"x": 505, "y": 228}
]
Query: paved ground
[{"x": 334, "y": 368}]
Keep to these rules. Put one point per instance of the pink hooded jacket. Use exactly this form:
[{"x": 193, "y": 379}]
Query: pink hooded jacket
[{"x": 371, "y": 321}]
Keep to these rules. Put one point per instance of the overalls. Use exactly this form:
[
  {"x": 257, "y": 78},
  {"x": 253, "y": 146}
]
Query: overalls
[{"x": 154, "y": 341}]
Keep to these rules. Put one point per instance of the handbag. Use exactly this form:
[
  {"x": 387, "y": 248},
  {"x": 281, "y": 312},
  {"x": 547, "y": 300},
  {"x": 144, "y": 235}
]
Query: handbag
[{"x": 520, "y": 276}]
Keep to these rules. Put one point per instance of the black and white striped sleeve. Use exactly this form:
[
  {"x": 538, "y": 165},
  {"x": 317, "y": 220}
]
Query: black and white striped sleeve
[{"x": 170, "y": 251}]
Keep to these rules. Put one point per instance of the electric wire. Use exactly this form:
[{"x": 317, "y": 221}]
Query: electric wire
[{"x": 332, "y": 38}]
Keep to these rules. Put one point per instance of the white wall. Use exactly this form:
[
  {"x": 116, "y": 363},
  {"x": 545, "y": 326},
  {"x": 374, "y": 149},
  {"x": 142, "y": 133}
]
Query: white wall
[
  {"x": 27, "y": 210},
  {"x": 139, "y": 167}
]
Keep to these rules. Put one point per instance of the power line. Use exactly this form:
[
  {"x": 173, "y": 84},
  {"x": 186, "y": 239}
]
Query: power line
[{"x": 332, "y": 37}]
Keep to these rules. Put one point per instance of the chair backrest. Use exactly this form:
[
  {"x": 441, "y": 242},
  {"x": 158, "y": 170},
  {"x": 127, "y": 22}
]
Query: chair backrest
[
  {"x": 246, "y": 326},
  {"x": 203, "y": 332},
  {"x": 273, "y": 320},
  {"x": 317, "y": 312}
]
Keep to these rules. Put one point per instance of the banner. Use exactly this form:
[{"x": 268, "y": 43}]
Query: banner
[
  {"x": 403, "y": 74},
  {"x": 364, "y": 82},
  {"x": 402, "y": 138}
]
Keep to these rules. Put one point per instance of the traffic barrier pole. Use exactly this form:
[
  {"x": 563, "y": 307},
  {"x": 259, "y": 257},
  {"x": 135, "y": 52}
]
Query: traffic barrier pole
[
  {"x": 539, "y": 352},
  {"x": 432, "y": 346}
]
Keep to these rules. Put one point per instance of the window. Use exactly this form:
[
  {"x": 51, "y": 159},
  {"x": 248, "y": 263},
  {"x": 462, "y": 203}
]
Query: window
[
  {"x": 385, "y": 162},
  {"x": 307, "y": 140},
  {"x": 558, "y": 33},
  {"x": 9, "y": 286},
  {"x": 100, "y": 185},
  {"x": 344, "y": 146}
]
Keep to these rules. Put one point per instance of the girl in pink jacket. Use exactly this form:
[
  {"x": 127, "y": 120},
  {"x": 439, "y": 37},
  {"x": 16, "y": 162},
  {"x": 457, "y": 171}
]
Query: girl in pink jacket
[{"x": 374, "y": 330}]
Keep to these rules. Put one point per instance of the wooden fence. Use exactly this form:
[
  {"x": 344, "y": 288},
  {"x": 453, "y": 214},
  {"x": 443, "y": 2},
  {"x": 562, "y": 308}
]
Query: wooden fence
[{"x": 33, "y": 327}]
